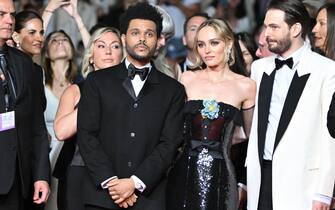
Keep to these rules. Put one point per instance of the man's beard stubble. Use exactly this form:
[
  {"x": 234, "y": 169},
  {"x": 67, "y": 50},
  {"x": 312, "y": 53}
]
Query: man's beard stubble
[
  {"x": 135, "y": 56},
  {"x": 282, "y": 45}
]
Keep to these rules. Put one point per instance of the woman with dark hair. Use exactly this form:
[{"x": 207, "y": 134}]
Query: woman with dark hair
[
  {"x": 60, "y": 72},
  {"x": 104, "y": 50},
  {"x": 248, "y": 49},
  {"x": 28, "y": 37},
  {"x": 28, "y": 32},
  {"x": 204, "y": 176},
  {"x": 324, "y": 31}
]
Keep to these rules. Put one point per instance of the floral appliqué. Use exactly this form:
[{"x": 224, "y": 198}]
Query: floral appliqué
[{"x": 210, "y": 110}]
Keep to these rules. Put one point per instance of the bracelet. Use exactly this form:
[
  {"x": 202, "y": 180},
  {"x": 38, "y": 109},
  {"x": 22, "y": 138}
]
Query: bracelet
[{"x": 48, "y": 11}]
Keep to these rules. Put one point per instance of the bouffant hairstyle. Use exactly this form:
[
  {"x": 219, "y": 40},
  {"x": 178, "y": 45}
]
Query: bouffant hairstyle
[{"x": 144, "y": 11}]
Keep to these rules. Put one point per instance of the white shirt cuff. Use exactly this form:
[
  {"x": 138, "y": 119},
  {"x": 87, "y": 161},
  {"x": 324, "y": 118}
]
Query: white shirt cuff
[
  {"x": 139, "y": 185},
  {"x": 323, "y": 198},
  {"x": 104, "y": 183},
  {"x": 243, "y": 186}
]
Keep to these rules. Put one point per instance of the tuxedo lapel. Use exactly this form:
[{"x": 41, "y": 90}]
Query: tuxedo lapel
[
  {"x": 129, "y": 88},
  {"x": 264, "y": 99},
  {"x": 122, "y": 74},
  {"x": 147, "y": 87},
  {"x": 149, "y": 83},
  {"x": 296, "y": 88}
]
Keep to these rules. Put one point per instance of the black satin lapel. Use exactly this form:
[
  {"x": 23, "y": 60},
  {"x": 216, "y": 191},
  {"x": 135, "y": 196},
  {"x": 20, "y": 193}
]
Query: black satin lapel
[
  {"x": 291, "y": 102},
  {"x": 16, "y": 71},
  {"x": 129, "y": 87},
  {"x": 149, "y": 83},
  {"x": 146, "y": 89},
  {"x": 264, "y": 99}
]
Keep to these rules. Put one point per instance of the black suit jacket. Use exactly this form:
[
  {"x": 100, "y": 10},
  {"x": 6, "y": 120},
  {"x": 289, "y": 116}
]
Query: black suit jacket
[
  {"x": 39, "y": 87},
  {"x": 26, "y": 146},
  {"x": 121, "y": 135}
]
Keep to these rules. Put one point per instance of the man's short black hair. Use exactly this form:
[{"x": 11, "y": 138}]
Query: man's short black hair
[
  {"x": 295, "y": 12},
  {"x": 197, "y": 14},
  {"x": 144, "y": 11}
]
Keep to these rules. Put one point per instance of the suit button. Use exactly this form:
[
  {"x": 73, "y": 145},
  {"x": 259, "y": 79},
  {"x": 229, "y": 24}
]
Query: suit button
[
  {"x": 129, "y": 164},
  {"x": 132, "y": 134},
  {"x": 135, "y": 105}
]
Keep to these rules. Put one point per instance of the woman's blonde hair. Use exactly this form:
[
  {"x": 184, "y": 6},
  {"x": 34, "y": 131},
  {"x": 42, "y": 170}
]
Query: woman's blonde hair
[
  {"x": 87, "y": 65},
  {"x": 224, "y": 32}
]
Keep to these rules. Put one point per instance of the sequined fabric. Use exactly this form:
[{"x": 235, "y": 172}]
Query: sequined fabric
[{"x": 203, "y": 178}]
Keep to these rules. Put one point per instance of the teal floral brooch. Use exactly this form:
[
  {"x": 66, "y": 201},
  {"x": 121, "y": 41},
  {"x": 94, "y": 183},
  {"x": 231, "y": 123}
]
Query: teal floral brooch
[{"x": 210, "y": 110}]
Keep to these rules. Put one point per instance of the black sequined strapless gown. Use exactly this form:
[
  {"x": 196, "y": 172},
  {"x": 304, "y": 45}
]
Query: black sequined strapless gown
[{"x": 203, "y": 177}]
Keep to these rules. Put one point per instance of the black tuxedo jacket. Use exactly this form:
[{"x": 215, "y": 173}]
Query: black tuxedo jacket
[
  {"x": 25, "y": 147},
  {"x": 121, "y": 135}
]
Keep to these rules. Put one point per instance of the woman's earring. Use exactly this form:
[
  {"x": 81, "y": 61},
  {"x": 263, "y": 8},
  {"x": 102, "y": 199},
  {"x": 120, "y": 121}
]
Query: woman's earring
[
  {"x": 18, "y": 45},
  {"x": 228, "y": 55}
]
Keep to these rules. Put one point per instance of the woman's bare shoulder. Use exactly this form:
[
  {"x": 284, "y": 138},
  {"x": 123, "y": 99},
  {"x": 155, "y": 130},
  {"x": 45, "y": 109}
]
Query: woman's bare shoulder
[
  {"x": 71, "y": 92},
  {"x": 188, "y": 76}
]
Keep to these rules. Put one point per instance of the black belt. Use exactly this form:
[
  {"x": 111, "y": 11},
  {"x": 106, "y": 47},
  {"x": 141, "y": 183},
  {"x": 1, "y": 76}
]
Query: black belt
[{"x": 214, "y": 147}]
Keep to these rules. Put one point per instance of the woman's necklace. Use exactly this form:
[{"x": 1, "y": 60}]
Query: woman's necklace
[{"x": 61, "y": 83}]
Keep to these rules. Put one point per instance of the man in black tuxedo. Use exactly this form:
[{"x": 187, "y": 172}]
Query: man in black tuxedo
[
  {"x": 23, "y": 136},
  {"x": 130, "y": 122}
]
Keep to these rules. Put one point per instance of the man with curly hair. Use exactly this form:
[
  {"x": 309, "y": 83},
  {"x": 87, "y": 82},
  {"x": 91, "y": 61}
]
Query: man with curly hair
[{"x": 130, "y": 122}]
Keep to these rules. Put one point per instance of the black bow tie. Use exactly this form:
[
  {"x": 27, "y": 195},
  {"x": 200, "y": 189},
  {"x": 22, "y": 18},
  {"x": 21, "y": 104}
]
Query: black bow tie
[
  {"x": 281, "y": 63},
  {"x": 132, "y": 71}
]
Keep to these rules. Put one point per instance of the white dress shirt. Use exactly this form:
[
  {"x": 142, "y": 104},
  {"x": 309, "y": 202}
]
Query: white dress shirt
[
  {"x": 186, "y": 64},
  {"x": 281, "y": 84},
  {"x": 137, "y": 82}
]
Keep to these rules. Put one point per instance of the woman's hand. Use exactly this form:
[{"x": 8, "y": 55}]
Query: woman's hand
[
  {"x": 72, "y": 8},
  {"x": 55, "y": 4}
]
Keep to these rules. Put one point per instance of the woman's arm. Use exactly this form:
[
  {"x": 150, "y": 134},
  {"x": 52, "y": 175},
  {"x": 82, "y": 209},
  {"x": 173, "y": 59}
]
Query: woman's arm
[
  {"x": 50, "y": 9},
  {"x": 65, "y": 124},
  {"x": 72, "y": 10}
]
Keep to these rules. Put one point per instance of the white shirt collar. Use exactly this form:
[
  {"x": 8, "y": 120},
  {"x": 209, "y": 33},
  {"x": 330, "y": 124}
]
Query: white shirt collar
[
  {"x": 296, "y": 55},
  {"x": 140, "y": 67}
]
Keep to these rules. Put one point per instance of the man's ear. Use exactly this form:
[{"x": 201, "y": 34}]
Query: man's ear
[
  {"x": 296, "y": 29},
  {"x": 184, "y": 41},
  {"x": 123, "y": 39}
]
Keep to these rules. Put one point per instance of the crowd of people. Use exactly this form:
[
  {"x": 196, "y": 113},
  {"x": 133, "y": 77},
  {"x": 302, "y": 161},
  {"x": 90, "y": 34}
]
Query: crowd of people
[{"x": 175, "y": 104}]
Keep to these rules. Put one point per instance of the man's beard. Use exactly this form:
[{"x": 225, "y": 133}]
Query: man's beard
[
  {"x": 282, "y": 45},
  {"x": 135, "y": 56}
]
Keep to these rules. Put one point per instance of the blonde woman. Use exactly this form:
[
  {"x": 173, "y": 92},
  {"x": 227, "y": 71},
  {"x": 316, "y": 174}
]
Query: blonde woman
[
  {"x": 203, "y": 177},
  {"x": 104, "y": 50}
]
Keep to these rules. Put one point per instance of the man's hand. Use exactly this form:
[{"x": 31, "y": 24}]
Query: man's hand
[
  {"x": 129, "y": 201},
  {"x": 121, "y": 189},
  {"x": 41, "y": 192},
  {"x": 317, "y": 205}
]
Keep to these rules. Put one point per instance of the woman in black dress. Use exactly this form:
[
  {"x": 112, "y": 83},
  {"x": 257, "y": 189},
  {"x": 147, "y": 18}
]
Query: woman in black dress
[{"x": 203, "y": 176}]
